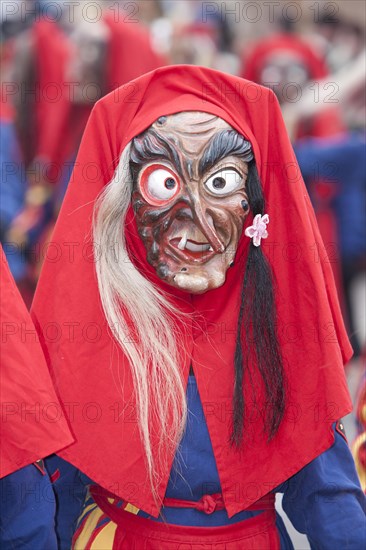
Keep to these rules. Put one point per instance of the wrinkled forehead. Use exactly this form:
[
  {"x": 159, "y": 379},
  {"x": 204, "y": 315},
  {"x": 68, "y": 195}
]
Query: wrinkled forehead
[{"x": 191, "y": 130}]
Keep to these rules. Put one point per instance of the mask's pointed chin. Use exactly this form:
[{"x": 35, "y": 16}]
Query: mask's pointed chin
[{"x": 196, "y": 284}]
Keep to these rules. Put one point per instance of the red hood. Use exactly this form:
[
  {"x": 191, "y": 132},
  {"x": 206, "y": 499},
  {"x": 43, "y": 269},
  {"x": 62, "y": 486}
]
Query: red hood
[{"x": 312, "y": 335}]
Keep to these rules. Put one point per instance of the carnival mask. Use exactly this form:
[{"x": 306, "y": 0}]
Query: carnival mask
[
  {"x": 287, "y": 74},
  {"x": 189, "y": 197}
]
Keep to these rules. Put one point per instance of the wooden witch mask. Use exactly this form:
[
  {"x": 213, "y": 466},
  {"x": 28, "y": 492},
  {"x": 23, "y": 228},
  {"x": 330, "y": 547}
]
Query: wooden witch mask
[{"x": 189, "y": 197}]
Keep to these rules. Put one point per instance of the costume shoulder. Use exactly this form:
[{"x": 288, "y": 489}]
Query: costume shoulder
[{"x": 28, "y": 399}]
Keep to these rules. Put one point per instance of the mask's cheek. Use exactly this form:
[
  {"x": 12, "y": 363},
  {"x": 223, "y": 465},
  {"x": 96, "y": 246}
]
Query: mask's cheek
[{"x": 229, "y": 220}]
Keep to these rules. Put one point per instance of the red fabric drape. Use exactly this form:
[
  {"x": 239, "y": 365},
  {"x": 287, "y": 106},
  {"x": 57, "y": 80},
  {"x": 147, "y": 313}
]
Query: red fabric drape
[
  {"x": 32, "y": 421},
  {"x": 311, "y": 331}
]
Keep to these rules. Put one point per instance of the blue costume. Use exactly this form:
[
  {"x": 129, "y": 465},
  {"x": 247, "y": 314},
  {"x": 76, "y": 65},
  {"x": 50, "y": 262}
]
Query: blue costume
[
  {"x": 341, "y": 162},
  {"x": 12, "y": 192},
  {"x": 27, "y": 506},
  {"x": 324, "y": 500}
]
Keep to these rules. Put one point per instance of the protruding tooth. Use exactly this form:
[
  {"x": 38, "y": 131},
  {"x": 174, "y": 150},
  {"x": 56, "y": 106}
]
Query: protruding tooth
[
  {"x": 183, "y": 242},
  {"x": 211, "y": 249}
]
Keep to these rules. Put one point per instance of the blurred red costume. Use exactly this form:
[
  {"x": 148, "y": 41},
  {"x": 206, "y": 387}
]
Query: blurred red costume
[
  {"x": 59, "y": 123},
  {"x": 326, "y": 123}
]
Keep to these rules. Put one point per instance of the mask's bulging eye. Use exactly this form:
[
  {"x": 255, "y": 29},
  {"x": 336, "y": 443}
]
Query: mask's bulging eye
[
  {"x": 224, "y": 182},
  {"x": 158, "y": 184}
]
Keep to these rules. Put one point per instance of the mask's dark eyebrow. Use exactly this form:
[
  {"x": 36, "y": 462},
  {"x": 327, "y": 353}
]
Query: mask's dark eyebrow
[
  {"x": 151, "y": 146},
  {"x": 224, "y": 144}
]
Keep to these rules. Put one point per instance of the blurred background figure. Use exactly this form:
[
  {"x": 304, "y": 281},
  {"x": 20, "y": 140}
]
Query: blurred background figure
[
  {"x": 13, "y": 186},
  {"x": 339, "y": 164},
  {"x": 331, "y": 159},
  {"x": 287, "y": 64},
  {"x": 13, "y": 176},
  {"x": 61, "y": 63},
  {"x": 206, "y": 38},
  {"x": 339, "y": 39}
]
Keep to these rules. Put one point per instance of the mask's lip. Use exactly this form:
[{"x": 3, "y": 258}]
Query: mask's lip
[
  {"x": 198, "y": 245},
  {"x": 200, "y": 256}
]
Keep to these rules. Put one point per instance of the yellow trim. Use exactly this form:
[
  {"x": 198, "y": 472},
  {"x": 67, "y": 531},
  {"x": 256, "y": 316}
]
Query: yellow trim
[
  {"x": 104, "y": 540},
  {"x": 361, "y": 440},
  {"x": 131, "y": 508},
  {"x": 87, "y": 532},
  {"x": 86, "y": 510}
]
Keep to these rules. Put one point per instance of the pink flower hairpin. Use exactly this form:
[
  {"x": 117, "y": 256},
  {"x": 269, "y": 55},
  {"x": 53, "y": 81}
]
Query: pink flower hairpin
[{"x": 258, "y": 230}]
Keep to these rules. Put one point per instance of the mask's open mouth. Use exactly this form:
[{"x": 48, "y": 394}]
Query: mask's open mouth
[{"x": 190, "y": 249}]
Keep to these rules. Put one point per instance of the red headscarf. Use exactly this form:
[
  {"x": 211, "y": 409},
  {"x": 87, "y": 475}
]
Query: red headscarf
[
  {"x": 324, "y": 124},
  {"x": 85, "y": 360},
  {"x": 32, "y": 424}
]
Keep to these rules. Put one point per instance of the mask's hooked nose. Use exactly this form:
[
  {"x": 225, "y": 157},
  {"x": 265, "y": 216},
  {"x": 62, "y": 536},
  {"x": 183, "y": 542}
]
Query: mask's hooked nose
[{"x": 206, "y": 224}]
